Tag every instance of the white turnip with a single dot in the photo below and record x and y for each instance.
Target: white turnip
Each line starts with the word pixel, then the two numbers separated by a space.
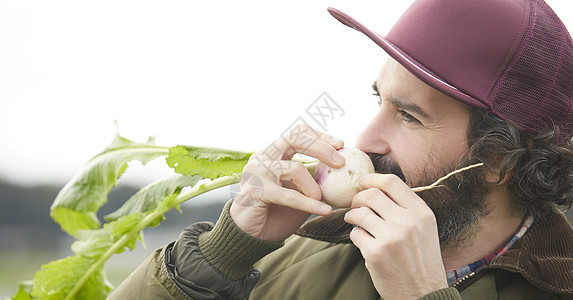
pixel 339 186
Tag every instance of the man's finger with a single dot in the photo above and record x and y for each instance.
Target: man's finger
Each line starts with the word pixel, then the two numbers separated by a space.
pixel 303 180
pixel 367 219
pixel 378 201
pixel 295 200
pixel 394 188
pixel 305 140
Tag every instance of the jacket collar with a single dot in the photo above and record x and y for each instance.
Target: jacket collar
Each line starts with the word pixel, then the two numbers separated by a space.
pixel 329 229
pixel 544 255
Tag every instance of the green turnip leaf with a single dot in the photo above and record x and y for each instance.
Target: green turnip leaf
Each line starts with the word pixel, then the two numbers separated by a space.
pixel 94 243
pixel 76 205
pixel 57 278
pixel 149 197
pixel 24 291
pixel 207 162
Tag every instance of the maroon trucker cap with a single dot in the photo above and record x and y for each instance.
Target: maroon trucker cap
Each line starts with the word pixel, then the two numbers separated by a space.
pixel 512 57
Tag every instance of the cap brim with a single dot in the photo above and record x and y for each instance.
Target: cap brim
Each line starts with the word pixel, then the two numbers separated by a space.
pixel 408 62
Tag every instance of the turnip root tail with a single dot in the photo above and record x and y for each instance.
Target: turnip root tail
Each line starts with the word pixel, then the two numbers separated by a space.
pixel 435 184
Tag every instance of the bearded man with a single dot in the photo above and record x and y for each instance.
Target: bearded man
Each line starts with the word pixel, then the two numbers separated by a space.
pixel 468 81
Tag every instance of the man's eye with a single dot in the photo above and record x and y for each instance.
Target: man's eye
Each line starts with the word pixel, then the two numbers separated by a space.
pixel 408 118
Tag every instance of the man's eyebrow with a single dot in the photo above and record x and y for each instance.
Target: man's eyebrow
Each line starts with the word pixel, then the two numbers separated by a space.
pixel 409 107
pixel 406 106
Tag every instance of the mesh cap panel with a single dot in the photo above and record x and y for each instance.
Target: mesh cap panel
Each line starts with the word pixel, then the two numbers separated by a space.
pixel 535 91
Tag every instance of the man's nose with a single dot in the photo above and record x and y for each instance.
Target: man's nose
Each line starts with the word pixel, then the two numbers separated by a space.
pixel 372 138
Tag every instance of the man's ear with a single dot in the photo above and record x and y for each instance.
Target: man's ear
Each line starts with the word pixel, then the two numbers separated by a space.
pixel 496 179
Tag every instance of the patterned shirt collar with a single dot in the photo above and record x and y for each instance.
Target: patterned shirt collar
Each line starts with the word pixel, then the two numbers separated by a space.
pixel 454 275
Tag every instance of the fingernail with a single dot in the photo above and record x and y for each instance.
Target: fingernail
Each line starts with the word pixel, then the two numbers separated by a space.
pixel 337 157
pixel 325 209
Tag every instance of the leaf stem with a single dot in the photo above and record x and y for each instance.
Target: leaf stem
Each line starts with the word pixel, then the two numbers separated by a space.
pixel 203 188
pixel 120 244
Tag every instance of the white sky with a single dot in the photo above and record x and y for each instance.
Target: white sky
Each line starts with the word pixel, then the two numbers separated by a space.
pixel 232 74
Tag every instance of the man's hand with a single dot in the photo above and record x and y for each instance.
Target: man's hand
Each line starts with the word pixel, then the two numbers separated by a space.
pixel 276 194
pixel 398 238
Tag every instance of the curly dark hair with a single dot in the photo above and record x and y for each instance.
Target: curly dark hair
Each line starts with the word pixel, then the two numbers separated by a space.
pixel 540 167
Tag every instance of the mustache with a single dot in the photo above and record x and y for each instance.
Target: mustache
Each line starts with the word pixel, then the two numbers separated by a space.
pixel 384 165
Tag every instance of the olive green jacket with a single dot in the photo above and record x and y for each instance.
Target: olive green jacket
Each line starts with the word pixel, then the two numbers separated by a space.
pixel 320 262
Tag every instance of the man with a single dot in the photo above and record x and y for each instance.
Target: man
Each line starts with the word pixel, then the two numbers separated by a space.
pixel 469 81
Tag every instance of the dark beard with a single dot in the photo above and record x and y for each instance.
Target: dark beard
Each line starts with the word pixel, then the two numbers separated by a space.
pixel 458 205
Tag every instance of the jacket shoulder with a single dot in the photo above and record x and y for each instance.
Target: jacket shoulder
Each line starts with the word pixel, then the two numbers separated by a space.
pixel 151 280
